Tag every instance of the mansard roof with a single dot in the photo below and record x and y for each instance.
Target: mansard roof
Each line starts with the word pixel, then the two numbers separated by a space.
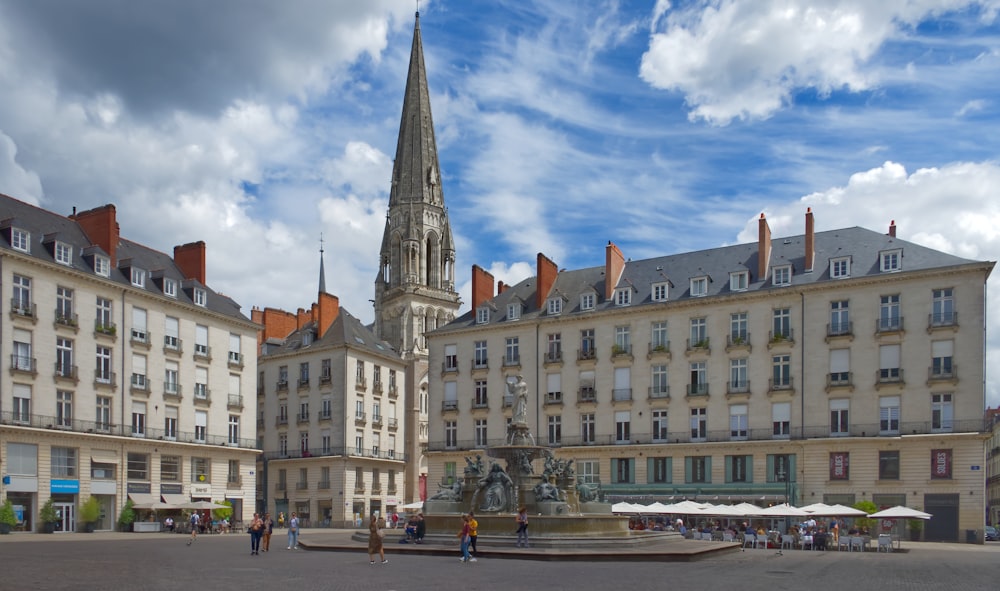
pixel 345 331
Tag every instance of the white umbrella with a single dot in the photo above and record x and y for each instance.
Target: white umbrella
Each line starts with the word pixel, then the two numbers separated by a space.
pixel 686 508
pixel 417 505
pixel 845 511
pixel 624 507
pixel 658 507
pixel 818 509
pixel 782 510
pixel 726 511
pixel 900 512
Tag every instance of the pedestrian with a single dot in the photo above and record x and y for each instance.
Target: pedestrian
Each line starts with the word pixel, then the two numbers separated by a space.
pixel 195 518
pixel 473 532
pixel 466 539
pixel 375 541
pixel 256 532
pixel 293 532
pixel 421 528
pixel 395 519
pixel 522 526
pixel 268 530
pixel 281 519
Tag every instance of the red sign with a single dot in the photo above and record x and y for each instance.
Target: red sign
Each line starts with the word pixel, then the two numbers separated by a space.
pixel 840 466
pixel 940 463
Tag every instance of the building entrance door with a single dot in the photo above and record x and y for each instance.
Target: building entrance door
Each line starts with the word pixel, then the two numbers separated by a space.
pixel 67 517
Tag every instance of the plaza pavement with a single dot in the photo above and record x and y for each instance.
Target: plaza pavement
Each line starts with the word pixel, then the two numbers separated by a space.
pixel 120 561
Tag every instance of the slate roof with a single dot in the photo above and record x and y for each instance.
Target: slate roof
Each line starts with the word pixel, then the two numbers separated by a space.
pixel 861 245
pixel 346 330
pixel 45 226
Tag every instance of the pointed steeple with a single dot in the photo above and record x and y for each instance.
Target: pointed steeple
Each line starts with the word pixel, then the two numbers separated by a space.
pixel 322 273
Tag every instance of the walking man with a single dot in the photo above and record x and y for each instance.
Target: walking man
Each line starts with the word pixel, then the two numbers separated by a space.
pixel 195 520
pixel 293 532
pixel 268 530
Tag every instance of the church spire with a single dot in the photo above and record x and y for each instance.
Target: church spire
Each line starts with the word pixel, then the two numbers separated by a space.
pixel 322 273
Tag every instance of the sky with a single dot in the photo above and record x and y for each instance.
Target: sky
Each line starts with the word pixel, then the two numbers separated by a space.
pixel 662 126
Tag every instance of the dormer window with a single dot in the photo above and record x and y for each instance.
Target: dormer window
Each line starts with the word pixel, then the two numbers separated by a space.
pixel 483 315
pixel 623 296
pixel 514 311
pixel 891 261
pixel 102 265
pixel 739 281
pixel 840 267
pixel 169 287
pixel 587 301
pixel 138 277
pixel 20 240
pixel 63 253
pixel 782 275
pixel 699 286
pixel 555 306
pixel 199 297
pixel 660 292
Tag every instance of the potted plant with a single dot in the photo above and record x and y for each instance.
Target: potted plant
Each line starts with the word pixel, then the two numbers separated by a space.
pixel 866 522
pixel 916 526
pixel 8 519
pixel 90 513
pixel 126 517
pixel 48 516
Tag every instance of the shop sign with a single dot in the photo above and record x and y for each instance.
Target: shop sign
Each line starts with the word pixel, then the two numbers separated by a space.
pixel 201 491
pixel 64 487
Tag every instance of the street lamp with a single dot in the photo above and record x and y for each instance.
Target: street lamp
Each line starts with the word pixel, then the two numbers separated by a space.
pixel 783 476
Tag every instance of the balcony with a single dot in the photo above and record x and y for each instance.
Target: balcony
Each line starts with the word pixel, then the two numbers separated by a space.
pixel 281 486
pixel 325 378
pixel 738 387
pixel 66 373
pixel 172 346
pixel 235 360
pixel 450 365
pixel 281 386
pixel 202 393
pixel 301 486
pixel 942 321
pixel 659 392
pixel 20 364
pixel 360 383
pixel 172 390
pixel 701 346
pixel 843 379
pixel 621 351
pixel 377 388
pixel 69 321
pixel 889 377
pixel 586 394
pixel 480 364
pixel 889 325
pixel 376 420
pixel 360 418
pixel 105 330
pixel 780 339
pixel 782 385
pixel 553 357
pixel 202 352
pixel 840 330
pixel 738 342
pixel 393 424
pixel 481 403
pixel 138 384
pixel 302 384
pixel 325 414
pixel 586 354
pixel 659 350
pixel 512 361
pixel 449 406
pixel 23 310
pixel 393 391
pixel 621 395
pixel 105 379
pixel 942 374
pixel 235 402
pixel 553 398
pixel 697 389
pixel 280 420
pixel 234 481
pixel 140 338
pixel 323 485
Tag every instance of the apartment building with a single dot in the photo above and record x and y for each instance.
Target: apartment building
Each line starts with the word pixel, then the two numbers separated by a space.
pixel 330 417
pixel 833 366
pixel 125 373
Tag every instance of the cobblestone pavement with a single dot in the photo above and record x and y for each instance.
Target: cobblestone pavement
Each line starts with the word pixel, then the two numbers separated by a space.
pixel 109 561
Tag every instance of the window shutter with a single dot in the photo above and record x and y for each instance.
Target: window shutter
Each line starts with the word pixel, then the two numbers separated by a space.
pixel 840 360
pixel 687 470
pixel 708 470
pixel 942 348
pixel 729 469
pixel 888 356
pixel 614 469
pixel 749 469
pixel 771 477
pixel 649 470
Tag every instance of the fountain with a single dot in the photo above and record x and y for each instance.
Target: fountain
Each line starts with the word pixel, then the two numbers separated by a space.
pixel 557 506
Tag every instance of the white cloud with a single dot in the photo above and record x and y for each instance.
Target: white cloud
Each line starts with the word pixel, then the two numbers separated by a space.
pixel 745 60
pixel 14 179
pixel 973 106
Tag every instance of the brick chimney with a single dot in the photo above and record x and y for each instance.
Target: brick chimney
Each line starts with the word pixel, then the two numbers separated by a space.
pixel 892 228
pixel 190 259
pixel 101 227
pixel 763 247
pixel 810 240
pixel 277 324
pixel 327 311
pixel 547 272
pixel 501 287
pixel 614 264
pixel 482 286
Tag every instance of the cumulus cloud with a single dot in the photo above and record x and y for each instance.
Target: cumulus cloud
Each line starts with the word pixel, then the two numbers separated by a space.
pixel 746 60
pixel 17 181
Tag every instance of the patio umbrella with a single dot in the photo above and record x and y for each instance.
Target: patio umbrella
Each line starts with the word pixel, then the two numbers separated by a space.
pixel 624 507
pixel 413 506
pixel 658 508
pixel 899 512
pixel 782 510
pixel 818 509
pixel 845 511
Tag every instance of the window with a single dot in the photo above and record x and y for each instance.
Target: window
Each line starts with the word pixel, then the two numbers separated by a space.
pixel 942 412
pixel 139 333
pixel 480 431
pixel 699 383
pixel 21 302
pixel 554 352
pixel 138 419
pixel 235 357
pixel 170 468
pixel 479 356
pixel 200 426
pixel 201 348
pixel 22 403
pixel 482 315
pixel 623 296
pixel 587 343
pixel 781 275
pixel 553 391
pixel 738 422
pixel 201 383
pixel 326 371
pixel 781 326
pixel 659 387
pixel 555 429
pixel 137 466
pixel 169 287
pixel 326 443
pixel 138 277
pixel 376 411
pixel 588 433
pixel 359 408
pixel 514 311
pixel 623 423
pixel 233 473
pixel 941 356
pixel 699 424
pixel 103 413
pixel 699 332
pixel 199 297
pixel 840 423
pixel 201 470
pixel 450 396
pixel 283 445
pixel 738 381
pixel 359 372
pixel 587 301
pixel 888 465
pixel 888 415
pixel 451 358
pixel 555 306
pixel 512 351
pixel 739 468
pixel 658 470
pixel 623 470
pixel 171 333
pixel 699 286
pixel 840 318
pixel 63 253
pixel 889 370
pixel 943 307
pixel 64 306
pixel 104 322
pixel 481 400
pixel 840 267
pixel 64 408
pixel 889 318
pixel 781 468
pixel 64 358
pixel 781 374
pixel 891 260
pixel 304 373
pixel 588 471
pixel 941 464
pixel 658 340
pixel 171 379
pixel 450 434
pixel 234 430
pixel 170 423
pixel 660 292
pixel 623 340
pixel 739 281
pixel 781 420
pixel 698 469
pixel 738 322
pixel 103 373
pixel 21 357
pixel 304 442
pixel 22 459
pixel 63 462
pixel 20 240
pixel 660 425
pixel 840 465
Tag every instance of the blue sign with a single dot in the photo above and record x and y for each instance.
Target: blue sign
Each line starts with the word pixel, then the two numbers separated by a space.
pixel 974 468
pixel 6 479
pixel 67 487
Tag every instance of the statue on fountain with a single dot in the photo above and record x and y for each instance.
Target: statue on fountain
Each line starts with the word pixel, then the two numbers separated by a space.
pixel 587 493
pixel 474 468
pixel 452 493
pixel 518 389
pixel 547 491
pixel 497 489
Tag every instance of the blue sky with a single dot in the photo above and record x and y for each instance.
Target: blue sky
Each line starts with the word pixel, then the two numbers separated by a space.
pixel 662 126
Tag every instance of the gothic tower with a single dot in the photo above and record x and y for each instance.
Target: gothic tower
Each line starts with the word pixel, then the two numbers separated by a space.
pixel 415 288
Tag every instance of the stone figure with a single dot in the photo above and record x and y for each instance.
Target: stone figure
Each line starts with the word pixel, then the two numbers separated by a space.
pixel 518 389
pixel 452 493
pixel 586 493
pixel 524 463
pixel 546 491
pixel 474 468
pixel 496 488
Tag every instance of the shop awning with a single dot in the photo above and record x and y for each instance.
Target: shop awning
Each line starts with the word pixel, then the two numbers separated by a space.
pixel 103 456
pixel 175 499
pixel 142 500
